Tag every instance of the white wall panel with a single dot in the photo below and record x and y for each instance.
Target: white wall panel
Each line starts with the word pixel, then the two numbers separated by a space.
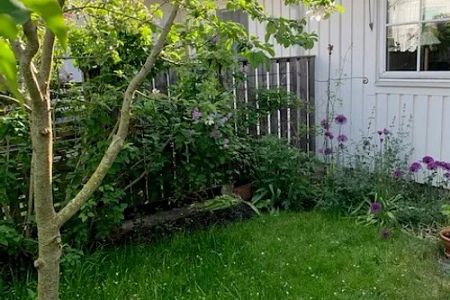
pixel 424 111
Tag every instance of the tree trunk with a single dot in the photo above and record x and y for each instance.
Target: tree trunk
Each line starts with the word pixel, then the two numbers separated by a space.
pixel 49 238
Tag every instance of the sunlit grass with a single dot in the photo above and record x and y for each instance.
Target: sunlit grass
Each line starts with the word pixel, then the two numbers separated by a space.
pixel 290 256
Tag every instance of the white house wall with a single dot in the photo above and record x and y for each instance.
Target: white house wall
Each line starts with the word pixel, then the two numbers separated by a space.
pixel 372 106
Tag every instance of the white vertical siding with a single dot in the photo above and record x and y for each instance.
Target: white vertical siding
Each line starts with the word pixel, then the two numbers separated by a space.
pixel 424 111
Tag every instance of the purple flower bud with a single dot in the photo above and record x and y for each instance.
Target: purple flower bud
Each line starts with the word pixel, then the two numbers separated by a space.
pixel 375 208
pixel 329 135
pixel 196 114
pixel 385 233
pixel 386 132
pixel 415 167
pixel 397 174
pixel 328 151
pixel 340 119
pixel 427 159
pixel 380 132
pixel 325 124
pixel 447 175
pixel 342 138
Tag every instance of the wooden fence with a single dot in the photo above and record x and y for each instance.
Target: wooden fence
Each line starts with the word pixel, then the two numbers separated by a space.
pixel 292 74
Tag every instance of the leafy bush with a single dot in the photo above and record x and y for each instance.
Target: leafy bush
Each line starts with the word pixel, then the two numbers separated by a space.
pixel 283 176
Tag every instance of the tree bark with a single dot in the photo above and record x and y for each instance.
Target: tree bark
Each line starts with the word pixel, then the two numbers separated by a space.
pixel 49 241
pixel 48 221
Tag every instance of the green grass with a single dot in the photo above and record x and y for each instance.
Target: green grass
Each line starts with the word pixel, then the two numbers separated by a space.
pixel 290 256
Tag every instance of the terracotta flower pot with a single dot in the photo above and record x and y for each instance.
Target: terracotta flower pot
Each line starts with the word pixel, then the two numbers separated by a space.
pixel 445 236
pixel 244 191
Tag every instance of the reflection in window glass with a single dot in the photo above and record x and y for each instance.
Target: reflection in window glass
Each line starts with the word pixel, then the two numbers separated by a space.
pixel 436 9
pixel 402 45
pixel 403 11
pixel 435 47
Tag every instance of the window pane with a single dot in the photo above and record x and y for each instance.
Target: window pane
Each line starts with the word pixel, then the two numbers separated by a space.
pixel 403 11
pixel 435 43
pixel 402 44
pixel 436 9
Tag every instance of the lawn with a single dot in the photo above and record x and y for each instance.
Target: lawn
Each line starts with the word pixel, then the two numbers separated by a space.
pixel 289 256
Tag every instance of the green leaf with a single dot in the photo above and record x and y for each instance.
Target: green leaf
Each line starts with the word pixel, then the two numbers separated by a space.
pixel 15 10
pixel 51 12
pixel 8 28
pixel 8 66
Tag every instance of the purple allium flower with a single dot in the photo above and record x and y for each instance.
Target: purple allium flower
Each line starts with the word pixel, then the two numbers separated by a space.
pixel 386 132
pixel 329 134
pixel 196 114
pixel 446 166
pixel 380 132
pixel 325 124
pixel 328 151
pixel 415 167
pixel 427 159
pixel 439 164
pixel 226 143
pixel 432 166
pixel 381 140
pixel 375 208
pixel 385 233
pixel 447 175
pixel 397 174
pixel 340 119
pixel 342 138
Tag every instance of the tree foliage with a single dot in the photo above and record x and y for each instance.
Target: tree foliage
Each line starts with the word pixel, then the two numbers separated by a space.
pixel 119 60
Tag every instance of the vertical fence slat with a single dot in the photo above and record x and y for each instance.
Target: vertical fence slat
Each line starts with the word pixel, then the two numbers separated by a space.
pixel 303 120
pixel 251 95
pixel 311 104
pixel 283 86
pixel 240 93
pixel 293 67
pixel 262 84
pixel 273 81
pixel 161 82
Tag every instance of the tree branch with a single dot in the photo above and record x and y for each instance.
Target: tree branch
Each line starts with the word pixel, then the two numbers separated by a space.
pixel 11 99
pixel 48 49
pixel 26 62
pixel 46 65
pixel 119 138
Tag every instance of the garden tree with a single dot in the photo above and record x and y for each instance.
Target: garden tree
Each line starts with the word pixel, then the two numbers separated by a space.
pixel 29 31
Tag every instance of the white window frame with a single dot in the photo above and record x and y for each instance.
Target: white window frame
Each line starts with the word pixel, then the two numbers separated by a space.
pixel 438 78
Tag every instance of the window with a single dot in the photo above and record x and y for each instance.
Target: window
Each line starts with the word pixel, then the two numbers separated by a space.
pixel 417 36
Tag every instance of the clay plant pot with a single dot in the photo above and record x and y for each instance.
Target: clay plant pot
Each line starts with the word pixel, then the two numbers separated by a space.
pixel 445 236
pixel 244 191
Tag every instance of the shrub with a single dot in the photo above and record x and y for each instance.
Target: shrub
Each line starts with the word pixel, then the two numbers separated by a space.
pixel 283 176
